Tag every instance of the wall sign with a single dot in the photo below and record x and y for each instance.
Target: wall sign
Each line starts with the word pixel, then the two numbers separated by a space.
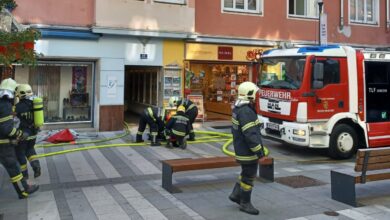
pixel 143 56
pixel 225 53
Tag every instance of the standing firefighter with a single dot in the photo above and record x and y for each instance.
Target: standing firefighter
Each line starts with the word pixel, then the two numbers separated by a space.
pixel 191 111
pixel 9 135
pixel 248 146
pixel 177 128
pixel 25 113
pixel 155 118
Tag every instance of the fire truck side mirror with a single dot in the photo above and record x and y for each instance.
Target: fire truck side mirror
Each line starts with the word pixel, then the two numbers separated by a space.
pixel 318 76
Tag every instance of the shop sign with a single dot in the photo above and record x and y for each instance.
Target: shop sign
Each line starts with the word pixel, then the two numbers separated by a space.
pixel 254 55
pixel 198 101
pixel 225 53
pixel 143 56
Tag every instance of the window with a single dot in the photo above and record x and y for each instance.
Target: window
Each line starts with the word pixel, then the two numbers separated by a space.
pixel 331 71
pixel 246 6
pixel 303 8
pixel 182 2
pixel 364 11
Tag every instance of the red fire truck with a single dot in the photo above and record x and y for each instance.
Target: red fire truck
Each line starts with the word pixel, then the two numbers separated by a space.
pixel 332 97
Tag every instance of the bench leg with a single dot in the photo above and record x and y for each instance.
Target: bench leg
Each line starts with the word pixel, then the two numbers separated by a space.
pixel 167 177
pixel 267 171
pixel 343 188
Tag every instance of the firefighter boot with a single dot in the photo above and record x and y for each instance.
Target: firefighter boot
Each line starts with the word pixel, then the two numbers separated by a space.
pixel 138 138
pixel 182 143
pixel 191 136
pixel 235 195
pixel 245 203
pixel 29 189
pixel 36 168
pixel 155 142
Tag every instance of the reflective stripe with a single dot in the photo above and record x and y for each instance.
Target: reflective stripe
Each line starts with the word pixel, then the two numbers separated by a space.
pixel 190 107
pixel 12 132
pixel 250 124
pixel 257 148
pixel 178 133
pixel 154 133
pixel 247 158
pixel 23 167
pixel 16 178
pixel 140 132
pixel 150 111
pixel 32 158
pixel 234 121
pixel 245 186
pixel 4 141
pixel 24 194
pixel 192 131
pixel 4 119
pixel 31 137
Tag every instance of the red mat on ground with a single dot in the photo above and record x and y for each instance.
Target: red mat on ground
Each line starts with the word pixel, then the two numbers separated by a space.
pixel 61 136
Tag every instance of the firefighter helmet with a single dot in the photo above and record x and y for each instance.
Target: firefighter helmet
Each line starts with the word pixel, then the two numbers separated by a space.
pixel 173 101
pixel 7 88
pixel 247 91
pixel 24 91
pixel 181 109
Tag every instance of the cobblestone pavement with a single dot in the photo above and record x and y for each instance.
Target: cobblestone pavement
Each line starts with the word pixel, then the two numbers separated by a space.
pixel 125 183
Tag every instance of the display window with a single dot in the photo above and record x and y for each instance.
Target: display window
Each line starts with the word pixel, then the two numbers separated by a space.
pixel 217 83
pixel 66 89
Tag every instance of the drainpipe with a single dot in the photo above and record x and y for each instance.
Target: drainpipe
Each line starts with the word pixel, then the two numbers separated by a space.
pixel 387 16
pixel 342 15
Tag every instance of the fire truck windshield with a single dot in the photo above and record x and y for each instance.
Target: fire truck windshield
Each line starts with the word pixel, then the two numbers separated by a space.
pixel 281 72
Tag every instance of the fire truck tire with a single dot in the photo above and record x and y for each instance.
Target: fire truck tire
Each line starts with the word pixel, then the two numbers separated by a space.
pixel 343 142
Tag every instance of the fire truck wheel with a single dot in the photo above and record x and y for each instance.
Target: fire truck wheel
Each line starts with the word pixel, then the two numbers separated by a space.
pixel 343 142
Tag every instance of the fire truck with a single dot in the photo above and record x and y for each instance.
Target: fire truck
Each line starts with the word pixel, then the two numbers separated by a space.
pixel 332 97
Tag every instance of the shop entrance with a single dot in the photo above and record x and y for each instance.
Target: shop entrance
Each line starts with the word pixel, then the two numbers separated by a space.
pixel 218 83
pixel 141 90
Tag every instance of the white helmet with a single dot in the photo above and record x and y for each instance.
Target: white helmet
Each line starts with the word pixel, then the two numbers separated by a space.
pixel 247 91
pixel 7 87
pixel 24 91
pixel 173 101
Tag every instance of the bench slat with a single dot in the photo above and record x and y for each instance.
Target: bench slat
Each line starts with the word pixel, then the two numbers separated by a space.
pixel 374 177
pixel 374 151
pixel 375 159
pixel 376 166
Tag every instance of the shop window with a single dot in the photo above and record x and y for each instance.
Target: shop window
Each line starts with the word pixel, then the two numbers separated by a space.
pixel 246 6
pixel 303 8
pixel 217 83
pixel 66 89
pixel 172 82
pixel 364 11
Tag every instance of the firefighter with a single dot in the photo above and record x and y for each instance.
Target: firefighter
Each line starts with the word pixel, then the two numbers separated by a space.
pixel 248 145
pixel 25 148
pixel 155 118
pixel 191 111
pixel 10 135
pixel 177 128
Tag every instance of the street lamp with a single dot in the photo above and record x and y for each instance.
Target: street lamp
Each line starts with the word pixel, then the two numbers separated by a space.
pixel 320 4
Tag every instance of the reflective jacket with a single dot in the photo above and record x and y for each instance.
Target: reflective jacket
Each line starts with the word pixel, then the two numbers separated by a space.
pixel 7 129
pixel 157 115
pixel 24 111
pixel 179 124
pixel 188 104
pixel 246 133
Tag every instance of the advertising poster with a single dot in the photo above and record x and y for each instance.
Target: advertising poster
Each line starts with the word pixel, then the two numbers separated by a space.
pixel 198 101
pixel 79 79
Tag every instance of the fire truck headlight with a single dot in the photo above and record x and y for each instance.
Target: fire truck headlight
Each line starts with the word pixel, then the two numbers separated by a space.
pixel 299 132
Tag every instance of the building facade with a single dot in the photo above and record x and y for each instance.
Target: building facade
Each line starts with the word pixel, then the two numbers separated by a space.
pixel 113 57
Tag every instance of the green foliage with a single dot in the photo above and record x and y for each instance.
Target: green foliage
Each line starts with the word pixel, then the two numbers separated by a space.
pixel 13 47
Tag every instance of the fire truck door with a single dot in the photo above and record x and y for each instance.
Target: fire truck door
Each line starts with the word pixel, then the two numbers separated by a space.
pixel 331 94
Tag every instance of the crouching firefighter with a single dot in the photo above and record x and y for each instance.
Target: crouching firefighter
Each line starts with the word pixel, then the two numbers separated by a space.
pixel 177 129
pixel 26 111
pixel 191 111
pixel 155 118
pixel 10 135
pixel 248 145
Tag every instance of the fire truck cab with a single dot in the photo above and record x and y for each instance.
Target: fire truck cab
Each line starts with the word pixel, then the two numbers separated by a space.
pixel 332 97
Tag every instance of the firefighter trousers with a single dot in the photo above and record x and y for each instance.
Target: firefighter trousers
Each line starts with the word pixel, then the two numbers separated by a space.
pixel 192 114
pixel 25 151
pixel 143 121
pixel 248 175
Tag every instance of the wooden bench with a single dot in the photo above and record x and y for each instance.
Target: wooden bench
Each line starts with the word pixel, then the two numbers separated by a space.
pixel 371 165
pixel 266 168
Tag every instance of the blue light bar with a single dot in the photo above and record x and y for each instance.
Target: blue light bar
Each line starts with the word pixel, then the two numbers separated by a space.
pixel 316 48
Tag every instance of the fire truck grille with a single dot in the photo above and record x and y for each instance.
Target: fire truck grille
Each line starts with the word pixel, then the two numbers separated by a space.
pixel 273 132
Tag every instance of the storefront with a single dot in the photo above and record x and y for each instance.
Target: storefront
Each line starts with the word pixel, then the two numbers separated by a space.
pixel 215 71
